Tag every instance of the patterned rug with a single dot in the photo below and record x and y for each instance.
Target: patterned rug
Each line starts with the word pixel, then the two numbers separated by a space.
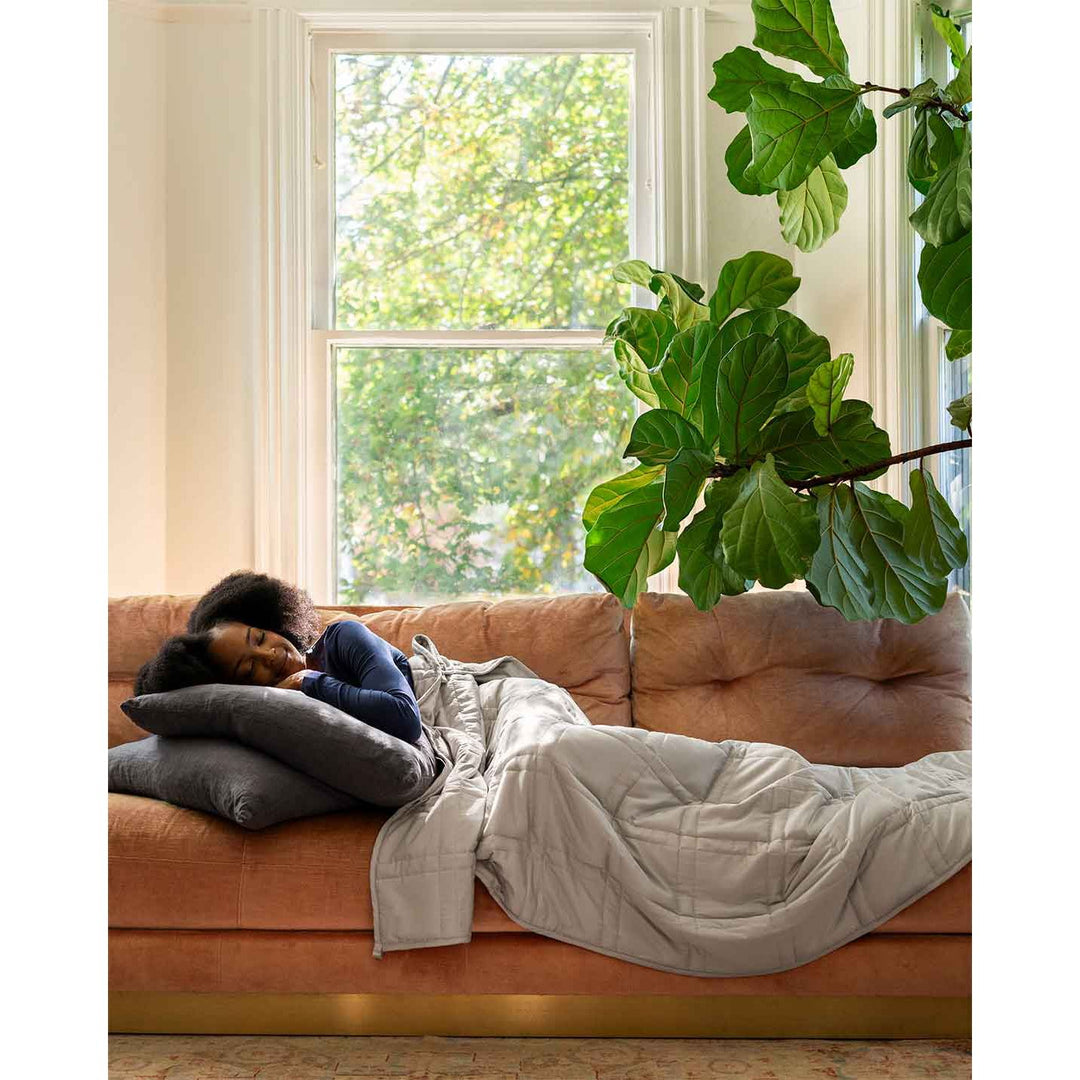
pixel 430 1057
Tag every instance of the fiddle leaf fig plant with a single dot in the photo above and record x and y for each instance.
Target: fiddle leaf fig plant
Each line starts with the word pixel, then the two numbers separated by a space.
pixel 746 402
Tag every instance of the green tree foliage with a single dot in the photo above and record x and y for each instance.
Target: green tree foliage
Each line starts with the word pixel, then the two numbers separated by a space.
pixel 749 404
pixel 476 192
pixel 481 191
pixel 459 475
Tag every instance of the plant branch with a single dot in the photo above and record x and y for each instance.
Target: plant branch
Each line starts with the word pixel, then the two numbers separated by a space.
pixel 934 102
pixel 723 469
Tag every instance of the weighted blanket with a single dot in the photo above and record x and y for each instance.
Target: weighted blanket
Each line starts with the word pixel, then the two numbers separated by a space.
pixel 695 857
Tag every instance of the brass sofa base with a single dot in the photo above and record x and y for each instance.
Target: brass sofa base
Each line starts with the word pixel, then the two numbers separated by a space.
pixel 548 1015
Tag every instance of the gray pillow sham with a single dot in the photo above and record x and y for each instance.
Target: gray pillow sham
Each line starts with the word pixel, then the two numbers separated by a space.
pixel 220 777
pixel 308 734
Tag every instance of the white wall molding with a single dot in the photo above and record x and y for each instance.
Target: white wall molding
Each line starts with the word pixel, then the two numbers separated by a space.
pixel 682 81
pixel 280 377
pixel 895 373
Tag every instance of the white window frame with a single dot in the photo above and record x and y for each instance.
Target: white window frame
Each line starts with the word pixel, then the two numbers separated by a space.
pixel 295 524
pixel 905 376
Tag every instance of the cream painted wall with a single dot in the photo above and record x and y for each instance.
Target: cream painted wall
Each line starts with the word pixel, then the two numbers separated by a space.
pixel 137 302
pixel 212 173
pixel 214 276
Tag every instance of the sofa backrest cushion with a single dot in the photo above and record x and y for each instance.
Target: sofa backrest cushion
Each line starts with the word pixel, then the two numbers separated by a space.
pixel 137 627
pixel 576 640
pixel 777 667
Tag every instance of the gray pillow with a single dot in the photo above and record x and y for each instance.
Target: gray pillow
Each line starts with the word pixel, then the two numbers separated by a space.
pixel 220 777
pixel 308 734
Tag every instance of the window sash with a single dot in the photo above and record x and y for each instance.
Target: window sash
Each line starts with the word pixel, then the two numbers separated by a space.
pixel 324 338
pixel 485 39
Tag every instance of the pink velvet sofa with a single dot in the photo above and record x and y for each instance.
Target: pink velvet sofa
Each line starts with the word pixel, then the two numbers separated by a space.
pixel 216 929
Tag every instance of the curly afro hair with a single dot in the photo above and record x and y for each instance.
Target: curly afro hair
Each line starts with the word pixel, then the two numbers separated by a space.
pixel 183 660
pixel 243 596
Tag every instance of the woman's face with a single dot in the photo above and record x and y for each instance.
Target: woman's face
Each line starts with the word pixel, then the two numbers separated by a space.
pixel 248 654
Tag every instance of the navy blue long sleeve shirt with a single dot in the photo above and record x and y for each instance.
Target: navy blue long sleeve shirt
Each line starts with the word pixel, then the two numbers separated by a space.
pixel 367 677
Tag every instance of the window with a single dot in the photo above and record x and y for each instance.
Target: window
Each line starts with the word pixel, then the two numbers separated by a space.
pixel 946 380
pixel 469 199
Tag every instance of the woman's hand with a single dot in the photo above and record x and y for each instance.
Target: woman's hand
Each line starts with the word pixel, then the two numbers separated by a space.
pixel 293 681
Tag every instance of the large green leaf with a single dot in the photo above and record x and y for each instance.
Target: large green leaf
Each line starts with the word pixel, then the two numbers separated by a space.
pixel 921 170
pixel 945 213
pixel 704 574
pixel 641 338
pixel 810 213
pixel 792 402
pixel 686 472
pixel 633 272
pixel 633 371
pixel 677 381
pixel 802 30
pixel 770 533
pixel 825 391
pixel 805 349
pixel 895 507
pixel 691 288
pixel 685 312
pixel 737 159
pixel 958 345
pixel 737 73
pixel 750 381
pixel 645 331
pixel 945 282
pixel 959 90
pixel 659 552
pixel 861 135
pixel 960 412
pixel 757 280
pixel 617 546
pixel 635 374
pixel 919 95
pixel 610 492
pixel 793 127
pixel 839 576
pixel 860 567
pixel 934 144
pixel 853 440
pixel 949 32
pixel 639 272
pixel 932 536
pixel 659 434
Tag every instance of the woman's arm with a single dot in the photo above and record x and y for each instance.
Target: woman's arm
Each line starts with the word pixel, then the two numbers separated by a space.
pixel 381 697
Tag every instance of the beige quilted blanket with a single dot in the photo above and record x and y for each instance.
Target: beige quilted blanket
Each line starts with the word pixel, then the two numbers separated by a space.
pixel 701 858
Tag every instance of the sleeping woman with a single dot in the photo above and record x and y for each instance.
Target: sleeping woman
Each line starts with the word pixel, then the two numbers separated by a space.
pixel 258 630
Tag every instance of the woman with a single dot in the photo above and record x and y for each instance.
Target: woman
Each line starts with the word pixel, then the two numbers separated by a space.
pixel 255 629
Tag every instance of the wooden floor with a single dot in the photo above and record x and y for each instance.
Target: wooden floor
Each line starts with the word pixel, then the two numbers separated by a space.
pixel 432 1057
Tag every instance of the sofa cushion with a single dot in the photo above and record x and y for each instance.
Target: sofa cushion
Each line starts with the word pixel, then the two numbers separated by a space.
pixel 314 874
pixel 577 640
pixel 777 667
